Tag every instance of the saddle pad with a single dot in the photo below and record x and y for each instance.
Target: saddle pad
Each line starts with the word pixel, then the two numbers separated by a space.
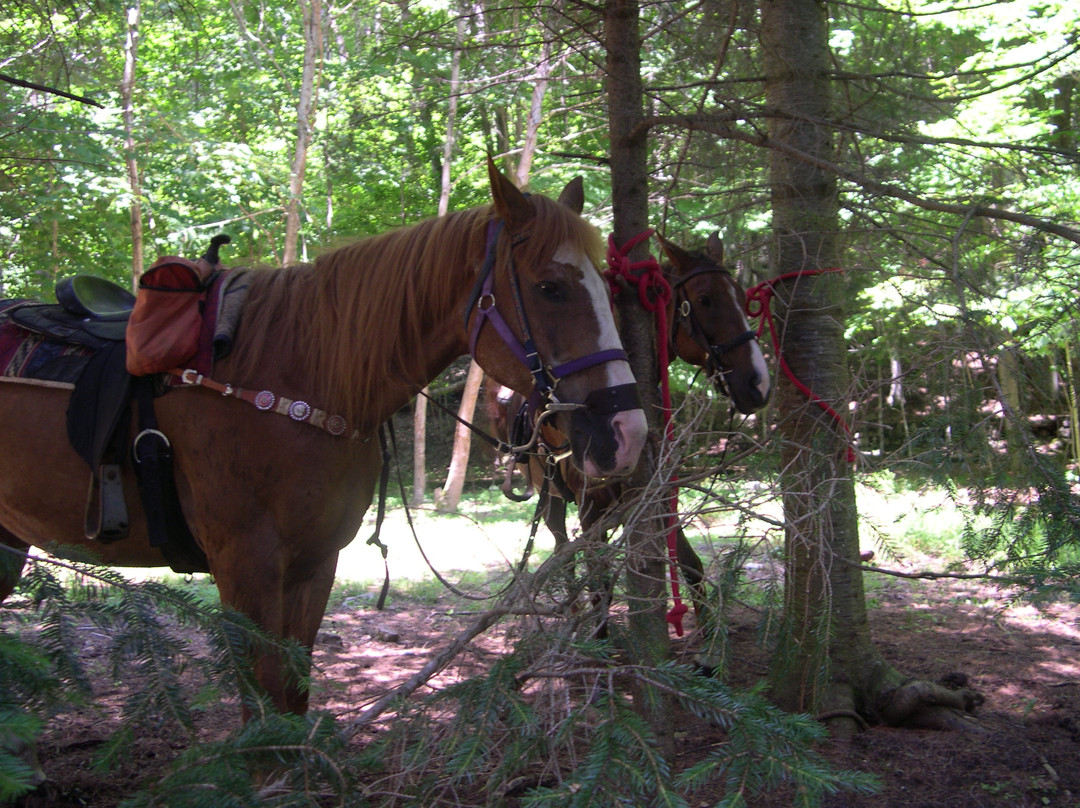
pixel 24 355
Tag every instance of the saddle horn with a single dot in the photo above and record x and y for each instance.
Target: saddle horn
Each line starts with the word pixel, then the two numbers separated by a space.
pixel 216 243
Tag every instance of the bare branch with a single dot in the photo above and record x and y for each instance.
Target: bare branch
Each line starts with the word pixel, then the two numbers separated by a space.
pixel 41 88
pixel 720 126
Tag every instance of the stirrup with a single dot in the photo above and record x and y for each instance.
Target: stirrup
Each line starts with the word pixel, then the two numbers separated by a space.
pixel 106 517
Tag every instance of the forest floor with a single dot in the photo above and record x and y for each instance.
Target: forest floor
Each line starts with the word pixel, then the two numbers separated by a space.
pixel 1024 752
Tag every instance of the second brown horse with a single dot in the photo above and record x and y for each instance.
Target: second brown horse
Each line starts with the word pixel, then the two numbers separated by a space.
pixel 708 329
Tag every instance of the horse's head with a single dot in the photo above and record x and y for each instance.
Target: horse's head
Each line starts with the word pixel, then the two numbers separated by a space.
pixel 540 322
pixel 709 328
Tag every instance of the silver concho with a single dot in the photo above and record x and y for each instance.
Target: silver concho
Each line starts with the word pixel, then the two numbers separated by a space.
pixel 264 400
pixel 335 425
pixel 299 410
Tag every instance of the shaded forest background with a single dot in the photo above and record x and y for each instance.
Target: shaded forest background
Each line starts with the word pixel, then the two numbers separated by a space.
pixel 949 174
pixel 295 126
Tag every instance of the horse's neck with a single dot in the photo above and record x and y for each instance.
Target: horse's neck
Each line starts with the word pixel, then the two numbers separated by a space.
pixel 259 360
pixel 439 354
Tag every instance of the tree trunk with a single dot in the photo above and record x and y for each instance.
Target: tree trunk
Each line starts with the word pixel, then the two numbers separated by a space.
pixel 127 99
pixel 305 122
pixel 825 660
pixel 448 497
pixel 419 449
pixel 540 79
pixel 645 540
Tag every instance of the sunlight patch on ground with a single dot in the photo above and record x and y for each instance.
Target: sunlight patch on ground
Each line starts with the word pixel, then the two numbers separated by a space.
pixel 451 542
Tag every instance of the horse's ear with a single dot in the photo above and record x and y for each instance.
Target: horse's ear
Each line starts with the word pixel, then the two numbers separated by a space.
pixel 714 248
pixel 510 204
pixel 573 195
pixel 681 260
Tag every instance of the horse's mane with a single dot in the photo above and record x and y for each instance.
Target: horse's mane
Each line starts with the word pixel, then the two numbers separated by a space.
pixel 337 330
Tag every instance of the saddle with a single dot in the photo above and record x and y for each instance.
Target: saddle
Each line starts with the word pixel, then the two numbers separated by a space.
pixel 94 313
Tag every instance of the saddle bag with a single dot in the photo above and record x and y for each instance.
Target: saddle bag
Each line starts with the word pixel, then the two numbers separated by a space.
pixel 163 331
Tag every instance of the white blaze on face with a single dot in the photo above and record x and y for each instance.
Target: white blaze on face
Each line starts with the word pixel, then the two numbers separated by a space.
pixel 594 283
pixel 630 426
pixel 757 357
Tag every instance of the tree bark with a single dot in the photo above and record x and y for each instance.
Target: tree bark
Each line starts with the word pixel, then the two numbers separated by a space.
pixel 825 659
pixel 448 497
pixel 305 124
pixel 645 539
pixel 127 99
pixel 541 78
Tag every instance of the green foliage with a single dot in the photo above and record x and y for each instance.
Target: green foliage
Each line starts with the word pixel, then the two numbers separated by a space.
pixel 144 645
pixel 1031 535
pixel 300 757
pixel 549 725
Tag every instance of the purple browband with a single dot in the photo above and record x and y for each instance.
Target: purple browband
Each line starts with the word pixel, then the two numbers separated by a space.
pixel 598 358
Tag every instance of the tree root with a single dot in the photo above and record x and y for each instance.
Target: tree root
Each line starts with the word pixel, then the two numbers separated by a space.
pixel 918 704
pixel 851 714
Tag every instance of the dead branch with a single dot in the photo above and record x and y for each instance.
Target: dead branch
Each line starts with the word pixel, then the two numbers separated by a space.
pixel 41 88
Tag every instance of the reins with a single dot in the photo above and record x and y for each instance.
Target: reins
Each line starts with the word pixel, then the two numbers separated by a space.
pixel 501 446
pixel 386 433
pixel 758 299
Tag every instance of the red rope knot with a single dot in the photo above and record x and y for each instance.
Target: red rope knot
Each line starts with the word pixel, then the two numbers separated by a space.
pixel 758 300
pixel 675 616
pixel 654 291
pixel 758 304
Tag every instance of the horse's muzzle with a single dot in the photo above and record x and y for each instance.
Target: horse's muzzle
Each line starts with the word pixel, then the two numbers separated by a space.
pixel 750 394
pixel 608 433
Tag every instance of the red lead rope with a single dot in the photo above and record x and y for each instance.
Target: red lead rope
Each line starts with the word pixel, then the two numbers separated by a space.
pixel 758 299
pixel 654 294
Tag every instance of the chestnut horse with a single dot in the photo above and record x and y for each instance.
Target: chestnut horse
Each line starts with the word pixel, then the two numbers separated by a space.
pixel 709 329
pixel 271 501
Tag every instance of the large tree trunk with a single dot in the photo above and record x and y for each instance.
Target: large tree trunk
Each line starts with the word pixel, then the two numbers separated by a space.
pixel 826 660
pixel 127 99
pixel 645 540
pixel 305 122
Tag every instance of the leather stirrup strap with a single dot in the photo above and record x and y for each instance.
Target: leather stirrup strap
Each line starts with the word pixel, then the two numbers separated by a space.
pixel 106 518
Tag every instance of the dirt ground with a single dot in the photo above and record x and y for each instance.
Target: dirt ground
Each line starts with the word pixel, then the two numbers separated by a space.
pixel 1025 662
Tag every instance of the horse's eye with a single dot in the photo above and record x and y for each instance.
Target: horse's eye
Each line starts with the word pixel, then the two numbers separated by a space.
pixel 704 301
pixel 550 290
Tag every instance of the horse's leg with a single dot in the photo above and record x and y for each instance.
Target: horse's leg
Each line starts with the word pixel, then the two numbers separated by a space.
pixel 601 583
pixel 12 560
pixel 305 604
pixel 553 508
pixel 286 603
pixel 257 593
pixel 693 572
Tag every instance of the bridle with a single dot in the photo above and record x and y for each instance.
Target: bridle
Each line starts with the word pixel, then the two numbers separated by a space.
pixel 542 402
pixel 687 319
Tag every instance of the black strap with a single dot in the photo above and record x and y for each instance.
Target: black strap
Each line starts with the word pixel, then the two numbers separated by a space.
pixel 610 400
pixel 380 514
pixel 502 447
pixel 165 522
